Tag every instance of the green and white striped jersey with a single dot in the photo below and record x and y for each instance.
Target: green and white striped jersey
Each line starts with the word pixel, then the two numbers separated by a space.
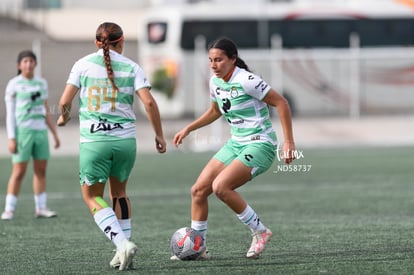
pixel 104 113
pixel 25 103
pixel 240 102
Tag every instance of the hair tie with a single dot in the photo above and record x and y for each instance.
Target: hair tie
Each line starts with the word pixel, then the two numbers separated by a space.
pixel 116 40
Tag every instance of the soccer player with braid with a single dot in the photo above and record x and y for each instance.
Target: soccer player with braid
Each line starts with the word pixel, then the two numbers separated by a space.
pixel 107 82
pixel 243 99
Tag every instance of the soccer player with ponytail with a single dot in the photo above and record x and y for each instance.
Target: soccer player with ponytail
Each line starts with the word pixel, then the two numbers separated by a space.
pixel 107 82
pixel 243 99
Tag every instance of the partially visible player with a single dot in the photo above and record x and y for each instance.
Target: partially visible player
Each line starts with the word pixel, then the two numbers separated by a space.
pixel 28 119
pixel 242 98
pixel 107 82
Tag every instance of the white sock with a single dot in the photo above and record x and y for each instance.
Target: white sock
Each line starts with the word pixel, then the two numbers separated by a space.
pixel 108 223
pixel 11 201
pixel 40 201
pixel 250 218
pixel 126 227
pixel 200 226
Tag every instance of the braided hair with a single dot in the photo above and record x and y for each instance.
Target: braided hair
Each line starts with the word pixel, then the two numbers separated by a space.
pixel 109 34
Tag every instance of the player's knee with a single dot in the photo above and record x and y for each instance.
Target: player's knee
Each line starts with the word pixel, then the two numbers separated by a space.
pixel 200 191
pixel 18 177
pixel 18 174
pixel 220 190
pixel 118 193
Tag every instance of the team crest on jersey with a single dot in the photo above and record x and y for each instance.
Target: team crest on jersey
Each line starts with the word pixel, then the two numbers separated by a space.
pixel 234 93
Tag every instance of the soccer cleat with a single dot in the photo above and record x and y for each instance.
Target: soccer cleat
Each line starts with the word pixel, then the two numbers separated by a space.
pixel 175 258
pixel 45 213
pixel 123 257
pixel 115 262
pixel 203 256
pixel 259 241
pixel 7 215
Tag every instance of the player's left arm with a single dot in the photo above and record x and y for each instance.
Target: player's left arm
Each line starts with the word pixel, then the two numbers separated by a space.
pixel 65 104
pixel 51 125
pixel 154 117
pixel 274 99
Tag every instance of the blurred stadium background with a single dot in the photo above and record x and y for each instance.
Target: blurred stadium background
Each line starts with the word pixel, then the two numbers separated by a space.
pixel 61 31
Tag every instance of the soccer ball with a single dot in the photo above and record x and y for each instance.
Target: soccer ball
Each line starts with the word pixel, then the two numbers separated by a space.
pixel 187 243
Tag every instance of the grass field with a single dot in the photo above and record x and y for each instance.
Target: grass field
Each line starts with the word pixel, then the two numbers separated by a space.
pixel 351 213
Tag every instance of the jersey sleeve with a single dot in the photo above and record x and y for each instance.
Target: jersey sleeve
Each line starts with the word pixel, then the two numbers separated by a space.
pixel 256 87
pixel 140 80
pixel 45 88
pixel 213 88
pixel 74 75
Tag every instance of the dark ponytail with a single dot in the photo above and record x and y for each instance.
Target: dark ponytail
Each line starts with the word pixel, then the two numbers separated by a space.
pixel 240 63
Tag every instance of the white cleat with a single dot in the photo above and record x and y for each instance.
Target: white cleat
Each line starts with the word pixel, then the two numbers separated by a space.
pixel 123 257
pixel 7 215
pixel 115 262
pixel 203 256
pixel 45 213
pixel 259 241
pixel 175 258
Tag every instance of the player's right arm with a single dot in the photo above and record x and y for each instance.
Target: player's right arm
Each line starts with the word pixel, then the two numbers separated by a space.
pixel 65 104
pixel 209 116
pixel 10 100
